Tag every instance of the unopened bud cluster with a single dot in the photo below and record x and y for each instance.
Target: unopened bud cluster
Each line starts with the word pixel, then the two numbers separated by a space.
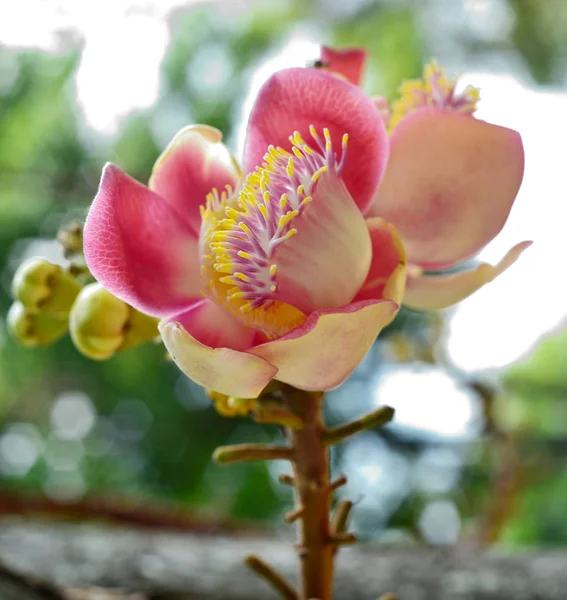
pixel 50 300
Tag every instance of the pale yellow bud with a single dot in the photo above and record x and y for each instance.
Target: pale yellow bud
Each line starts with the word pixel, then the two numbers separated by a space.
pixel 101 324
pixel 43 287
pixel 229 406
pixel 32 330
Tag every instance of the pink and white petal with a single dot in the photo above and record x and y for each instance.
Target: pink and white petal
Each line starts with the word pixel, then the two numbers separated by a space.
pixel 325 350
pixel 450 184
pixel 293 99
pixel 326 262
pixel 348 62
pixel 387 274
pixel 215 327
pixel 139 248
pixel 195 162
pixel 434 292
pixel 206 344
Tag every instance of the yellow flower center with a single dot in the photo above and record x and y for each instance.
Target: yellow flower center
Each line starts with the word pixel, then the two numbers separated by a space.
pixel 434 90
pixel 242 229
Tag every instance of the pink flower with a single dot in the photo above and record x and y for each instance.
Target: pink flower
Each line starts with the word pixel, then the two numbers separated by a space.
pixel 292 272
pixel 450 183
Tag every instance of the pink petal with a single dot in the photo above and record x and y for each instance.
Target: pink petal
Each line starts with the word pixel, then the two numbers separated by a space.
pixel 450 184
pixel 293 99
pixel 433 292
pixel 348 62
pixel 139 248
pixel 213 326
pixel 195 162
pixel 387 274
pixel 206 342
pixel 323 352
pixel 325 263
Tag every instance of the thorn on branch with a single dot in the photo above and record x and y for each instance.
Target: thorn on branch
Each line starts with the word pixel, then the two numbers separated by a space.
pixel 340 480
pixel 344 539
pixel 247 452
pixel 274 413
pixel 340 517
pixel 286 479
pixel 293 515
pixel 377 418
pixel 279 584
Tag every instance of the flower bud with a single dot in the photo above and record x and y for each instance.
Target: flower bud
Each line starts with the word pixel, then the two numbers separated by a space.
pixel 32 330
pixel 70 237
pixel 44 287
pixel 229 406
pixel 101 324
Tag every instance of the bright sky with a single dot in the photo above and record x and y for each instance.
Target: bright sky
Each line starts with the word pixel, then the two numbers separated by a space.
pixel 502 321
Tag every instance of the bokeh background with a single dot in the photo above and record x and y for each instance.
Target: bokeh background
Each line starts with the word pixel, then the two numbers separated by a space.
pixel 478 450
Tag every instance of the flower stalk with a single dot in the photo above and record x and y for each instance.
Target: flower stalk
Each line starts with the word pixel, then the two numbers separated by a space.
pixel 313 494
pixel 319 535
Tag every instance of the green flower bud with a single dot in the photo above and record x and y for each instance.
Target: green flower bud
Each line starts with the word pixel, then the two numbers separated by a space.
pixel 70 236
pixel 101 324
pixel 32 330
pixel 44 287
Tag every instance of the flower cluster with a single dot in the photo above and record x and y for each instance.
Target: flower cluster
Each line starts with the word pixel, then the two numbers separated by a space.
pixel 289 269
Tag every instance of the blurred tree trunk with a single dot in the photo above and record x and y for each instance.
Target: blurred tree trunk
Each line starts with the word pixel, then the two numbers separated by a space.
pixel 71 559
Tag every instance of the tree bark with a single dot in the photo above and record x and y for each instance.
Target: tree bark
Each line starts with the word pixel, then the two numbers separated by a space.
pixel 169 566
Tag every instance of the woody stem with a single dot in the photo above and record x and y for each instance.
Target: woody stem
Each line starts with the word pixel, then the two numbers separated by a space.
pixel 313 491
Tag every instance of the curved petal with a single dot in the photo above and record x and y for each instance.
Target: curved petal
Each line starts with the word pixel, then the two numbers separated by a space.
pixel 324 264
pixel 139 248
pixel 450 184
pixel 433 292
pixel 348 62
pixel 323 352
pixel 213 326
pixel 293 99
pixel 386 277
pixel 195 162
pixel 204 342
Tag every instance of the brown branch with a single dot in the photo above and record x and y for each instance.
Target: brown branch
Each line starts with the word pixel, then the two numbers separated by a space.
pixel 139 513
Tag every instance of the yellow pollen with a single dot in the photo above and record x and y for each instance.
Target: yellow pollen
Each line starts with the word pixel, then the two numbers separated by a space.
pixel 318 173
pixel 290 168
pixel 433 89
pixel 242 228
pixel 262 208
pixel 245 228
pixel 328 144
